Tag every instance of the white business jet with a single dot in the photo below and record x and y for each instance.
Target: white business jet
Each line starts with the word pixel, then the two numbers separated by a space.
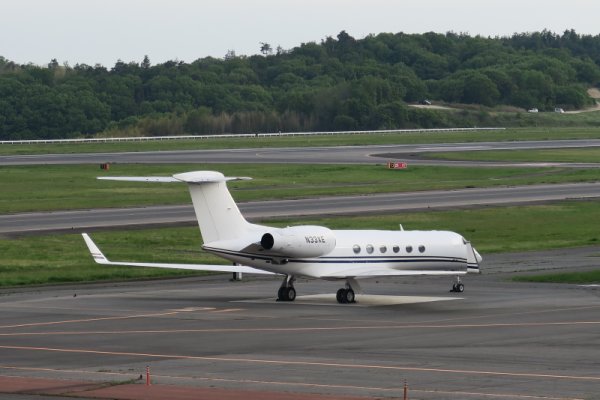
pixel 306 250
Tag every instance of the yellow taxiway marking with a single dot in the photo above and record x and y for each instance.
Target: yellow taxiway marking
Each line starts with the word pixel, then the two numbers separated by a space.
pixel 304 329
pixel 226 310
pixel 311 363
pixel 287 383
pixel 73 321
pixel 159 314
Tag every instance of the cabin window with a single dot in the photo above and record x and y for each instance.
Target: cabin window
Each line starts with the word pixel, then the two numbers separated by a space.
pixel 421 249
pixel 409 249
pixel 382 249
pixel 396 249
pixel 356 249
pixel 370 248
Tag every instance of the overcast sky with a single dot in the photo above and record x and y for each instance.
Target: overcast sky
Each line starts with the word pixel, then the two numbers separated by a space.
pixel 90 31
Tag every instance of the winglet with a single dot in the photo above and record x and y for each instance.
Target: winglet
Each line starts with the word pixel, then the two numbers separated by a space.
pixel 94 250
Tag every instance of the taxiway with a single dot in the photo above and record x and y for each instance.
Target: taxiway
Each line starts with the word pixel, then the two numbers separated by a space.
pixel 499 339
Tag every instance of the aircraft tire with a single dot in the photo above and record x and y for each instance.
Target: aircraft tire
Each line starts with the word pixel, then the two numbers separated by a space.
pixel 286 294
pixel 460 288
pixel 281 295
pixel 340 295
pixel 349 296
pixel 290 294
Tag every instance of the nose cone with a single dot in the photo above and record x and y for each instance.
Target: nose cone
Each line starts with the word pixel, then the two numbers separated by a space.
pixel 473 259
pixel 477 256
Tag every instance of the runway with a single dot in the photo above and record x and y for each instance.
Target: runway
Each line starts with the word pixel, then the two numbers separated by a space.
pixel 498 339
pixel 28 223
pixel 308 155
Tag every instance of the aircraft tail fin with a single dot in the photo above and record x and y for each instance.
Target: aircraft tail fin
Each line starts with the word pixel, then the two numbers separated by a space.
pixel 218 215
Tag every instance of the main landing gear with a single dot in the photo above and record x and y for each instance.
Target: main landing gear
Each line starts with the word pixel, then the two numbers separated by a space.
pixel 346 294
pixel 458 287
pixel 286 291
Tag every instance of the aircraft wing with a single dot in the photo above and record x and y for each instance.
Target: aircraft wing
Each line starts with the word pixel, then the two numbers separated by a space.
pixel 101 259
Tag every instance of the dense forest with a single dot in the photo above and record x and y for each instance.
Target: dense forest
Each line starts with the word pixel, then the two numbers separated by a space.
pixel 338 84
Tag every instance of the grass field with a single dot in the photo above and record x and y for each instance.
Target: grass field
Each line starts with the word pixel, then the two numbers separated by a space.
pixel 62 187
pixel 64 258
pixel 323 140
pixel 587 277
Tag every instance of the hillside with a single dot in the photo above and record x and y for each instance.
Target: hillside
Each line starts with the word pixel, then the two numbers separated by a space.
pixel 338 84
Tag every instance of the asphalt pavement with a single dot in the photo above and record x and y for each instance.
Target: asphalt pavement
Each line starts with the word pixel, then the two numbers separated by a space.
pixel 305 155
pixel 499 339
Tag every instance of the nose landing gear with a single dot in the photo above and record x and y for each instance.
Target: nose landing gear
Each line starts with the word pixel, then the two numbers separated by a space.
pixel 458 286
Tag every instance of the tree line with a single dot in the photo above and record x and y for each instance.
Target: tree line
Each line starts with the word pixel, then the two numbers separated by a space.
pixel 340 83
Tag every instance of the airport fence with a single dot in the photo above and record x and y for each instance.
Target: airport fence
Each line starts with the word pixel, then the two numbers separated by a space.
pixel 241 135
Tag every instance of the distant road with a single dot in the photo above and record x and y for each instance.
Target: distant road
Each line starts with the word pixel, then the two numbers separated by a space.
pixel 381 203
pixel 305 155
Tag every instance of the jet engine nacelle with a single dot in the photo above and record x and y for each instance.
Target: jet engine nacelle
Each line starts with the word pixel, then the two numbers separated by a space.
pixel 299 241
